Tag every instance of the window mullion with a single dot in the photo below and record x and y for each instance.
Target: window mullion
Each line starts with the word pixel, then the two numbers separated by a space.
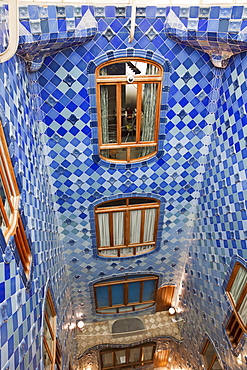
pixel 141 291
pixel 119 113
pixel 111 228
pixel 110 295
pixel 127 228
pixel 138 112
pixel 142 225
pixel 126 289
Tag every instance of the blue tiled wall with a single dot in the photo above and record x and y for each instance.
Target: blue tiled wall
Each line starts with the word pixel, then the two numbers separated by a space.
pixel 200 177
pixel 21 309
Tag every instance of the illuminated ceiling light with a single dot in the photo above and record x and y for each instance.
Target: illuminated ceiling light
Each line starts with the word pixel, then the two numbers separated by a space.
pixel 80 324
pixel 172 311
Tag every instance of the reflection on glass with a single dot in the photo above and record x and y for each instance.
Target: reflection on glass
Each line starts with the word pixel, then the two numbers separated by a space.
pixel 46 360
pixel 133 68
pixel 108 113
pixel 2 222
pixel 126 251
pixel 109 252
pixel 4 199
pixel 135 354
pixel 208 356
pixel 107 359
pixel 147 353
pixel 48 337
pixel 120 357
pixel 129 98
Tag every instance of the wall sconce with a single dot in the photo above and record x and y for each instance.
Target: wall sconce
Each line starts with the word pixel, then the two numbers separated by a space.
pixel 80 324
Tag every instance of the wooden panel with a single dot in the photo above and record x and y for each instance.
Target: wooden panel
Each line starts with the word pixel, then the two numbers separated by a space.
pixel 164 297
pixel 161 358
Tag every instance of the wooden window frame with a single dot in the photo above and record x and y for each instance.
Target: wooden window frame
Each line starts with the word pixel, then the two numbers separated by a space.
pixel 214 357
pixel 118 81
pixel 54 353
pixel 127 208
pixel 125 281
pixel 127 354
pixel 235 327
pixel 14 225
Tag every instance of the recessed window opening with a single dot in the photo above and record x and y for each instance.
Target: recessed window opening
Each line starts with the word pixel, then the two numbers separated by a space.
pixel 125 294
pixel 210 358
pixel 10 220
pixel 51 350
pixel 237 293
pixel 126 227
pixel 127 358
pixel 128 101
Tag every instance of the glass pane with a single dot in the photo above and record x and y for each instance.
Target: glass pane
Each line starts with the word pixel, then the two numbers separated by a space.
pixel 104 232
pixel 142 306
pixel 135 355
pixel 48 337
pixel 129 97
pixel 239 283
pixel 208 356
pixel 131 67
pixel 141 152
pixel 243 311
pixel 147 353
pixel 4 199
pixel 51 317
pixel 141 201
pixel 117 153
pixel 120 357
pixel 118 228
pixel 109 252
pixel 216 365
pixel 108 113
pixel 148 291
pixel 126 251
pixel 102 296
pixel 117 294
pixel 135 226
pixel 107 310
pixel 149 97
pixel 144 249
pixel 134 292
pixel 149 225
pixel 113 203
pixel 107 359
pixel 2 222
pixel 46 359
pixel 125 309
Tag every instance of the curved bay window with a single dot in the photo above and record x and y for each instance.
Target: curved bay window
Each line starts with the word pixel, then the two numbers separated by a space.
pixel 127 358
pixel 127 226
pixel 237 292
pixel 125 294
pixel 128 101
pixel 10 219
pixel 211 360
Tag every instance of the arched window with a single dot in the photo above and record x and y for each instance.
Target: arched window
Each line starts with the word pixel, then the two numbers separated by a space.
pixel 237 292
pixel 127 226
pixel 210 358
pixel 128 101
pixel 125 294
